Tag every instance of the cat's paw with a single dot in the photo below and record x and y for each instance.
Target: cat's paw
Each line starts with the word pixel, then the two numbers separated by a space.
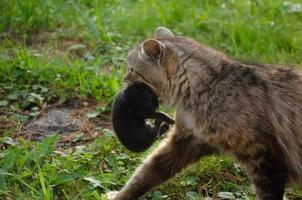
pixel 111 195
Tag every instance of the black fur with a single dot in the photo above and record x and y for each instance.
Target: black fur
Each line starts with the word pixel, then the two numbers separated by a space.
pixel 131 108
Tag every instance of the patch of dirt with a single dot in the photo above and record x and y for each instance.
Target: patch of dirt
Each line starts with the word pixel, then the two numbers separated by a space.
pixel 70 122
pixel 49 42
pixel 57 120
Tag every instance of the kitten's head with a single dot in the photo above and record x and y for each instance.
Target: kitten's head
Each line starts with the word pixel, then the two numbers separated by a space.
pixel 151 62
pixel 140 99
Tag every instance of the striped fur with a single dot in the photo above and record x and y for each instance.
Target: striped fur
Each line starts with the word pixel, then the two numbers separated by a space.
pixel 252 112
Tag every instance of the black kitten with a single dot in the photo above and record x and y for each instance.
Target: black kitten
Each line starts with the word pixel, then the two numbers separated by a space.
pixel 131 108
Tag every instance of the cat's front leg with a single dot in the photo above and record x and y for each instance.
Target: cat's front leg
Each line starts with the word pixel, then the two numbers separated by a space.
pixel 174 153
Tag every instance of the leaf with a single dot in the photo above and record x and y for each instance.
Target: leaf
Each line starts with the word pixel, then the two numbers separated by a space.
pixel 9 141
pixel 190 180
pixel 89 57
pixel 110 178
pixel 45 147
pixel 291 8
pixel 157 195
pixel 44 89
pixel 11 158
pixel 93 114
pixel 34 114
pixel 35 87
pixel 103 109
pixel 93 181
pixel 77 137
pixel 107 133
pixel 3 103
pixel 37 96
pixel 21 118
pixel 76 47
pixel 191 195
pixel 123 156
pixel 59 82
pixel 226 195
pixel 64 178
pixel 111 161
pixel 80 149
pixel 13 96
pixel 35 108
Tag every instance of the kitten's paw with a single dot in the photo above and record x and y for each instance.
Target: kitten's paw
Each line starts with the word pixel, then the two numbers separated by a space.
pixel 111 195
pixel 163 128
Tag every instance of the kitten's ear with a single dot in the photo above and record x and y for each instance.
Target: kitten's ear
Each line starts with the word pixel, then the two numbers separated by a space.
pixel 163 32
pixel 153 49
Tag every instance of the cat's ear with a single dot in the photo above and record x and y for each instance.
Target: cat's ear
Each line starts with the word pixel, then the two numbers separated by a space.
pixel 153 49
pixel 163 32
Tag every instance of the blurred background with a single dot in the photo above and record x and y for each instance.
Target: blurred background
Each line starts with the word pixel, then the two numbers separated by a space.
pixel 62 62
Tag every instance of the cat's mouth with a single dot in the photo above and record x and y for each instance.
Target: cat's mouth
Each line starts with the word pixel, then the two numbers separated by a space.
pixel 134 76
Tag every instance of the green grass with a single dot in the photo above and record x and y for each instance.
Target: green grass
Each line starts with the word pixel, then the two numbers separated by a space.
pixel 56 51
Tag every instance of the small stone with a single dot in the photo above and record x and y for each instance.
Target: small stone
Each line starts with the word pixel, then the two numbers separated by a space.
pixel 57 120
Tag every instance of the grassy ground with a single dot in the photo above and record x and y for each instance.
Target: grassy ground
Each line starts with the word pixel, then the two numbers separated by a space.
pixel 56 51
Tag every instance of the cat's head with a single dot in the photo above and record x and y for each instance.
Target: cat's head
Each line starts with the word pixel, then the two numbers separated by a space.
pixel 151 62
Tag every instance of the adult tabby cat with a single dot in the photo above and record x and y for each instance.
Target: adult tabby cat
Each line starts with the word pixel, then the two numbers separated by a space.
pixel 252 112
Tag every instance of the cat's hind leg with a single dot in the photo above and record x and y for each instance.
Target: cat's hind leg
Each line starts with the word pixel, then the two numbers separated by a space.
pixel 269 177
